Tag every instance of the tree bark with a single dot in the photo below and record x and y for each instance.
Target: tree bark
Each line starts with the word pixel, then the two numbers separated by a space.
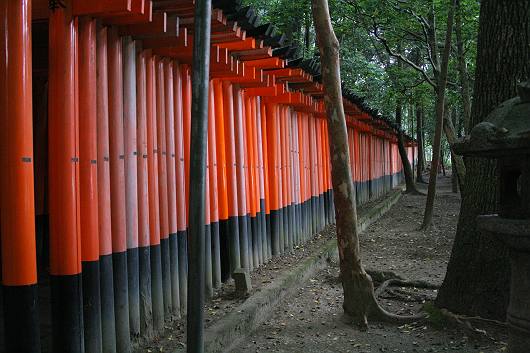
pixel 440 101
pixel 356 283
pixel 421 151
pixel 359 299
pixel 454 176
pixel 459 165
pixel 455 179
pixel 407 169
pixel 503 58
pixel 442 160
pixel 462 67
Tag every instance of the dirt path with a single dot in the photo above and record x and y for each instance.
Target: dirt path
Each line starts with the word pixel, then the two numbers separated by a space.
pixel 312 320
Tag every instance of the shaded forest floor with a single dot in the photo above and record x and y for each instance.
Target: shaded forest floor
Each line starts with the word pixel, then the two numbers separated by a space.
pixel 313 321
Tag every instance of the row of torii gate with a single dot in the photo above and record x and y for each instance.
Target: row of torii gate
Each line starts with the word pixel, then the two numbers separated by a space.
pixel 117 162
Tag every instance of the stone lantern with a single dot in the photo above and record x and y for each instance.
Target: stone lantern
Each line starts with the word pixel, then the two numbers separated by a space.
pixel 505 137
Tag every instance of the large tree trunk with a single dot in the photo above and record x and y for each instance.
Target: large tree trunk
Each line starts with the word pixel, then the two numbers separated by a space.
pixel 440 102
pixel 420 167
pixel 407 169
pixel 477 279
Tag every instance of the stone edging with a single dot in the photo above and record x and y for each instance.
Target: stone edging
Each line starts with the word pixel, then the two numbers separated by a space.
pixel 234 327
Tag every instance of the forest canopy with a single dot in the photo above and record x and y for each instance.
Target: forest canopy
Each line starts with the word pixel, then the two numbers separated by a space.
pixel 387 53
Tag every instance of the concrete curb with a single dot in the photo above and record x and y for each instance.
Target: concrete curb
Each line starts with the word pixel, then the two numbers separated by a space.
pixel 230 330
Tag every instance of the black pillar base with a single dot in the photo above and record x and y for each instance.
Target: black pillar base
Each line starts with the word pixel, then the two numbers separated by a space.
pixel 92 306
pixel 67 313
pixel 166 277
pixel 175 280
pixel 146 306
pixel 21 319
pixel 133 267
pixel 108 319
pixel 156 288
pixel 121 302
pixel 183 269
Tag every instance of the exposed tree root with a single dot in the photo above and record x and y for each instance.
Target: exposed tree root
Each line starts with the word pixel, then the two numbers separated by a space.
pixel 404 283
pixel 381 276
pixel 464 318
pixel 361 303
pixel 465 321
pixel 404 296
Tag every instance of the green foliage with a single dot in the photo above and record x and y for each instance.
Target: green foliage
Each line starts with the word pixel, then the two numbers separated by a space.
pixel 293 18
pixel 367 30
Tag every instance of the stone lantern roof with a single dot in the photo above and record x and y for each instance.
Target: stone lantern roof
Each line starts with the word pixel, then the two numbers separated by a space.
pixel 505 132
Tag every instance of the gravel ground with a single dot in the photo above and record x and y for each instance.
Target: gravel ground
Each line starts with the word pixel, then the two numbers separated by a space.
pixel 313 320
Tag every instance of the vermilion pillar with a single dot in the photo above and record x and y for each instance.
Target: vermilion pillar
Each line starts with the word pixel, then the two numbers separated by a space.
pixel 251 180
pixel 17 213
pixel 284 179
pixel 327 160
pixel 108 323
pixel 214 191
pixel 186 111
pixel 181 186
pixel 222 183
pixel 240 174
pixel 88 185
pixel 117 188
pixel 289 175
pixel 273 175
pixel 321 172
pixel 162 185
pixel 171 184
pixel 131 181
pixel 266 189
pixel 246 180
pixel 313 176
pixel 63 185
pixel 253 156
pixel 261 180
pixel 154 211
pixel 295 176
pixel 231 171
pixel 144 250
pixel 307 181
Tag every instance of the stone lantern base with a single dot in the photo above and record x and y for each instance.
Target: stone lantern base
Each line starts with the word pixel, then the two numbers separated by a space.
pixel 515 233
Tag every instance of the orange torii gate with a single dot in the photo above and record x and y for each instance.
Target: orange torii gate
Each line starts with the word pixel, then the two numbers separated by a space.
pixel 118 157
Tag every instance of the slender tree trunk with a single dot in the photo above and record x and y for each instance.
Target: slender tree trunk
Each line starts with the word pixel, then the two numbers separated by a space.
pixel 454 176
pixel 407 169
pixel 359 299
pixel 442 161
pixel 462 67
pixel 421 150
pixel 355 281
pixel 440 101
pixel 458 122
pixel 411 117
pixel 503 59
pixel 459 165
